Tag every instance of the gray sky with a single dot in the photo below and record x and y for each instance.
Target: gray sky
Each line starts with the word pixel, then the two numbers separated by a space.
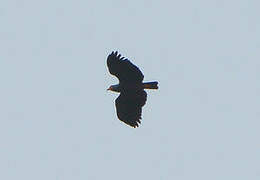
pixel 58 122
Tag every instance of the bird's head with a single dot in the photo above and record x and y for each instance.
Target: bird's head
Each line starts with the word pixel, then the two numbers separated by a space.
pixel 114 88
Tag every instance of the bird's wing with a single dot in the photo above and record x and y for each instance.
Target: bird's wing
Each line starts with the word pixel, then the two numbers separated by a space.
pixel 123 69
pixel 129 107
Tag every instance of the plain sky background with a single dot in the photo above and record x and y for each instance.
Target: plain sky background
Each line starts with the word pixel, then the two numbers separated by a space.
pixel 58 122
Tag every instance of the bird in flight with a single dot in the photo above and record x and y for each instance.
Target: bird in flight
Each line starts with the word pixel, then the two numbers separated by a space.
pixel 131 88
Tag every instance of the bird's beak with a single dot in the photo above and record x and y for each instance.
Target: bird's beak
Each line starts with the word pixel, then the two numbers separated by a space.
pixel 109 89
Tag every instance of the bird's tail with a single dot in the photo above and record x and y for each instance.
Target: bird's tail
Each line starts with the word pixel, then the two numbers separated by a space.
pixel 150 85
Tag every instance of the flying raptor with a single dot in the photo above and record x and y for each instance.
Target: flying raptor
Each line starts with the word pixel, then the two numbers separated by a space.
pixel 131 88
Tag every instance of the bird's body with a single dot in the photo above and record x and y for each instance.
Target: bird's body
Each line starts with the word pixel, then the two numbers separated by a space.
pixel 131 87
pixel 134 87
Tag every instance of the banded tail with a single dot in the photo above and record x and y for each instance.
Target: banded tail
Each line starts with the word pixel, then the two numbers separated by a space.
pixel 150 85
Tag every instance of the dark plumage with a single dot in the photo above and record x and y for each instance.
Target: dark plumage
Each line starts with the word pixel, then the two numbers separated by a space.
pixel 132 95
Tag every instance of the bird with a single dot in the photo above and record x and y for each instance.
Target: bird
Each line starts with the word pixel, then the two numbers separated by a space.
pixel 131 88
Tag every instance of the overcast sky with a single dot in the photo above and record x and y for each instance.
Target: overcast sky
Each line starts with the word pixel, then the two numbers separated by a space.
pixel 58 122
